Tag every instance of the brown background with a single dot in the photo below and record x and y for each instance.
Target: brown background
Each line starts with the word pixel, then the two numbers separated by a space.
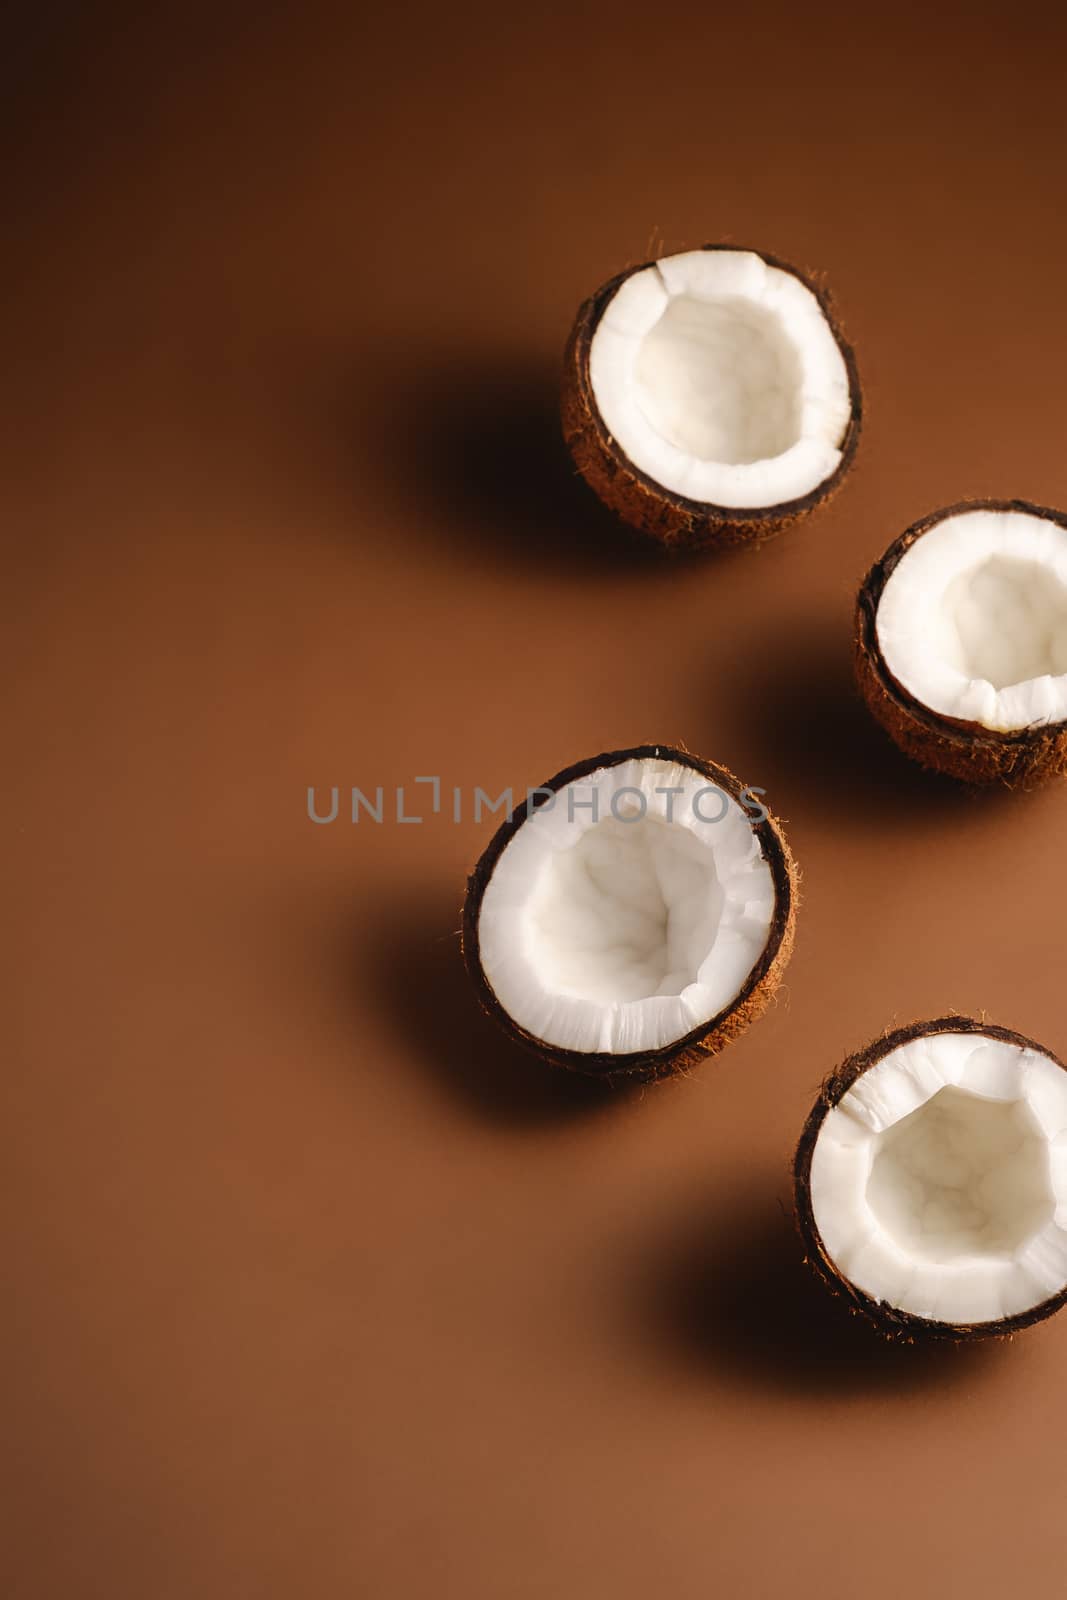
pixel 317 1288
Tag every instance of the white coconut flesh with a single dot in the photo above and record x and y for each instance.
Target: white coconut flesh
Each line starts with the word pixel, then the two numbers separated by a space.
pixel 939 1181
pixel 973 619
pixel 721 379
pixel 624 929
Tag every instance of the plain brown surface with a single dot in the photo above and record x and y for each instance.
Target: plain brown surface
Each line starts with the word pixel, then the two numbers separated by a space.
pixel 317 1288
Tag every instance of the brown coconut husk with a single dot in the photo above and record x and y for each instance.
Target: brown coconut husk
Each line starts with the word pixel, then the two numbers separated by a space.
pixel 709 1037
pixel 670 520
pixel 961 749
pixel 893 1323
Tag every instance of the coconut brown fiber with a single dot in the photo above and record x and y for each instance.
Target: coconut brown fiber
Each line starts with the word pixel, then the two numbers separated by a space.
pixel 709 1037
pixel 1020 760
pixel 670 520
pixel 887 1319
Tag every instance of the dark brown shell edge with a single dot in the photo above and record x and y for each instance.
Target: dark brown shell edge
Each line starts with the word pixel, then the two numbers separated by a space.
pixel 895 1324
pixel 960 749
pixel 670 520
pixel 709 1037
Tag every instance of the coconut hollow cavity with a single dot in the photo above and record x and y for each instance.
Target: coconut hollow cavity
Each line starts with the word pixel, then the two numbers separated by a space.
pixel 709 398
pixel 961 642
pixel 931 1181
pixel 633 915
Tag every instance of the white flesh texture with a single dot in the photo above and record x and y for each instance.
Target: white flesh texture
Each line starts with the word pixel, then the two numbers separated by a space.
pixel 625 931
pixel 939 1181
pixel 720 378
pixel 973 620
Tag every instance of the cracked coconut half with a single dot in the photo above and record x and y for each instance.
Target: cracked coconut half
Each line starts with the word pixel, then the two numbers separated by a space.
pixel 961 648
pixel 709 398
pixel 931 1181
pixel 633 915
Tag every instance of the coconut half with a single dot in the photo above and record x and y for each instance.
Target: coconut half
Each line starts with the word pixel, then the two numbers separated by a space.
pixel 961 641
pixel 931 1181
pixel 709 398
pixel 633 915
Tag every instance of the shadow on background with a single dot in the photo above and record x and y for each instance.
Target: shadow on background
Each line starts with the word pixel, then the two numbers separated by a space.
pixel 477 444
pixel 423 987
pixel 811 730
pixel 747 1305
